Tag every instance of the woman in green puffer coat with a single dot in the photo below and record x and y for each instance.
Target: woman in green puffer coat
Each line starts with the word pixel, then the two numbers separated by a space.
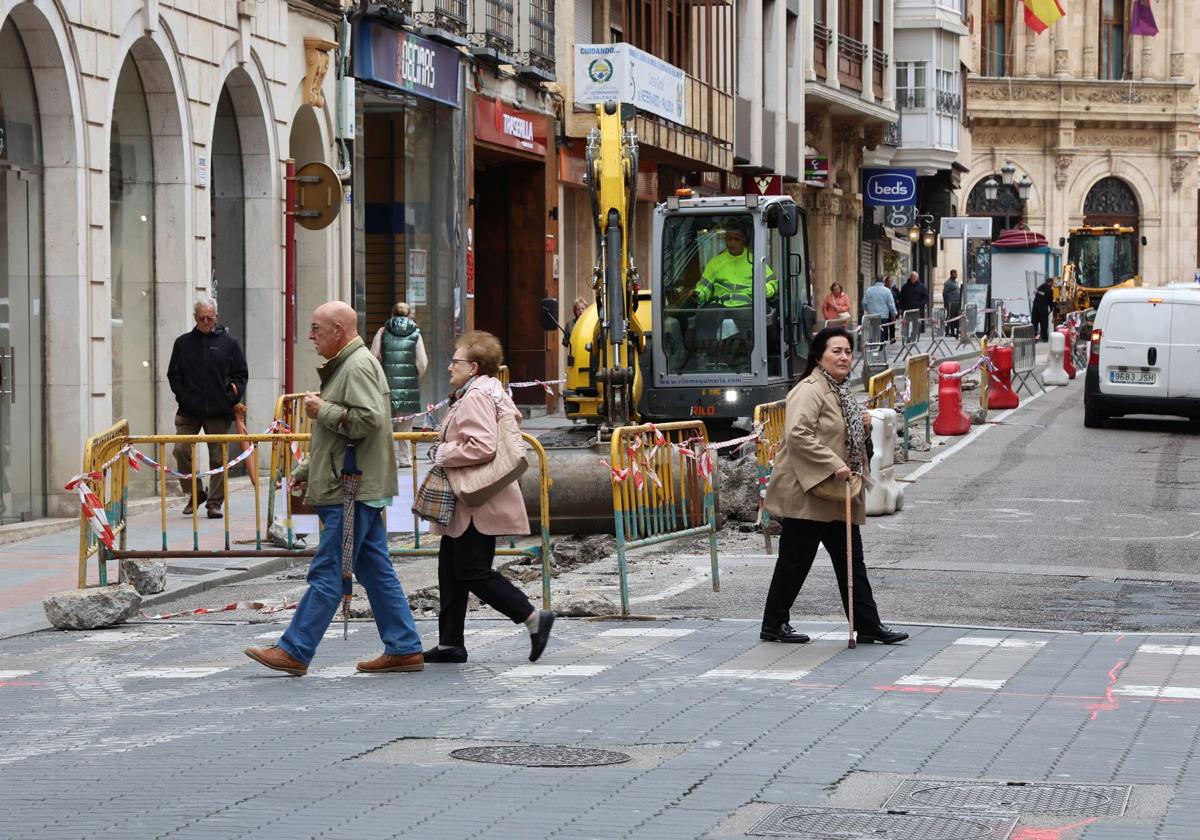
pixel 401 351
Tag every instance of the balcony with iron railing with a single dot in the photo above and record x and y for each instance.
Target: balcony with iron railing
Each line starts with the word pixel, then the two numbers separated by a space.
pixel 949 103
pixel 822 38
pixel 536 40
pixel 493 34
pixel 443 20
pixel 852 54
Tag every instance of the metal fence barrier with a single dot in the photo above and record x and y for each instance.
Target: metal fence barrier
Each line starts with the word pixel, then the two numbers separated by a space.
pixel 968 326
pixel 938 332
pixel 662 490
pixel 917 404
pixel 881 390
pixel 872 347
pixel 1025 358
pixel 910 333
pixel 769 420
pixel 108 455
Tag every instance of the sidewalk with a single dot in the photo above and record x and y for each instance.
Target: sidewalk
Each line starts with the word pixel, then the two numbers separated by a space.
pixel 958 733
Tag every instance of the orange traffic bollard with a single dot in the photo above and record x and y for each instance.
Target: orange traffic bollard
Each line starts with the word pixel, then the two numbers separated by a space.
pixel 1000 392
pixel 951 419
pixel 1068 357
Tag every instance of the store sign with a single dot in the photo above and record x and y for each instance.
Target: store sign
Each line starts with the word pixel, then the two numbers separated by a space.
pixel 765 185
pixel 903 216
pixel 816 170
pixel 402 60
pixel 624 73
pixel 886 187
pixel 498 123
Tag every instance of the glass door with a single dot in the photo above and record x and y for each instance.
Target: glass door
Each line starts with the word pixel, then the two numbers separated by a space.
pixel 22 477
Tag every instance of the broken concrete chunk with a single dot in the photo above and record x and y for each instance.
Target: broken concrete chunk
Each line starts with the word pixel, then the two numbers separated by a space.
pixel 90 609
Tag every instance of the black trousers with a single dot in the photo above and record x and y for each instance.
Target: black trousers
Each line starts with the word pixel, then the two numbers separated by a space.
pixel 465 566
pixel 798 544
pixel 1041 320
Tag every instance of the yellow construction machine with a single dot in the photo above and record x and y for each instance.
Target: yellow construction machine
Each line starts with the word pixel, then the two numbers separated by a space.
pixel 1099 258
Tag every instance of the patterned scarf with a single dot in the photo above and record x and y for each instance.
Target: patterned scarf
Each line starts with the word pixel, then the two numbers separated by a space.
pixel 852 414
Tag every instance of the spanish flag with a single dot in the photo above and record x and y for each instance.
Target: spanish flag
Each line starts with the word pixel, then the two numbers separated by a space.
pixel 1040 14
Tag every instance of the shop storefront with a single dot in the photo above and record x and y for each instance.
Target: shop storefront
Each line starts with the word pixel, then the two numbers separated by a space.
pixel 409 160
pixel 514 236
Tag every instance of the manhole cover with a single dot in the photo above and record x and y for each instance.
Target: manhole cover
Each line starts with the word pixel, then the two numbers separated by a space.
pixel 1011 797
pixel 532 755
pixel 838 824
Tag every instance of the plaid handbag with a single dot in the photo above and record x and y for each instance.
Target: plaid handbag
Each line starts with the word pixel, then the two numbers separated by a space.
pixel 435 498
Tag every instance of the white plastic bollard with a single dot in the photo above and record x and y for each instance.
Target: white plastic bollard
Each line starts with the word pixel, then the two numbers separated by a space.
pixel 886 496
pixel 1054 374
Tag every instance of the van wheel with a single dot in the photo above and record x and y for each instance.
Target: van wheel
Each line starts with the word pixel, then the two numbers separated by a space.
pixel 1092 418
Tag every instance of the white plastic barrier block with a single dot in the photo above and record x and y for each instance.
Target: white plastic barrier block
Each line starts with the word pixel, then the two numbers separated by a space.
pixel 886 496
pixel 1055 374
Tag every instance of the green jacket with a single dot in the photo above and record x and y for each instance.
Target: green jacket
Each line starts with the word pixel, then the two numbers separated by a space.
pixel 358 408
pixel 729 280
pixel 399 351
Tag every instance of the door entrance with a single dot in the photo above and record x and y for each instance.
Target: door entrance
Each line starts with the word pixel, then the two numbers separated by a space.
pixel 22 470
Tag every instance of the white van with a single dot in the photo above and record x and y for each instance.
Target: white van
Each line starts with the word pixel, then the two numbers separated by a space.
pixel 1144 355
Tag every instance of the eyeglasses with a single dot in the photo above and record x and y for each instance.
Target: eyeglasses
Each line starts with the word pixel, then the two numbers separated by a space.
pixel 204 319
pixel 461 362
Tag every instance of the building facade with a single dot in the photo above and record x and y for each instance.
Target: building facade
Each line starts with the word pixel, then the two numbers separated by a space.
pixel 1103 123
pixel 141 152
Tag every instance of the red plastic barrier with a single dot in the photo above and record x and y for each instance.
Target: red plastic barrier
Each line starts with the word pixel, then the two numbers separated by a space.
pixel 951 419
pixel 1000 392
pixel 1068 357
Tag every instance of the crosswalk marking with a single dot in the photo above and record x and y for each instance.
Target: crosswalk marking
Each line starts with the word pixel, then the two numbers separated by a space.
pixel 524 671
pixel 950 682
pixel 336 672
pixel 498 633
pixel 656 632
pixel 113 637
pixel 987 641
pixel 12 675
pixel 1166 691
pixel 743 674
pixel 173 673
pixel 1172 650
pixel 331 633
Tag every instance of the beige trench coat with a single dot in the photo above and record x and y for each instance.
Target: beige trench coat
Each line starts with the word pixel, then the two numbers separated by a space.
pixel 814 447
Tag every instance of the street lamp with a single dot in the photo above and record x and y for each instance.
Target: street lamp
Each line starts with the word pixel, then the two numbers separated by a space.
pixel 1007 171
pixel 990 188
pixel 914 233
pixel 1023 187
pixel 928 238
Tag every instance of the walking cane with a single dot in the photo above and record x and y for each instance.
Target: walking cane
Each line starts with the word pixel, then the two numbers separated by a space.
pixel 351 478
pixel 849 570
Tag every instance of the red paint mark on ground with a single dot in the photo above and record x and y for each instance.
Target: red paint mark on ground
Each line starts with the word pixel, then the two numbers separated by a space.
pixel 21 683
pixel 1048 833
pixel 1119 638
pixel 1108 703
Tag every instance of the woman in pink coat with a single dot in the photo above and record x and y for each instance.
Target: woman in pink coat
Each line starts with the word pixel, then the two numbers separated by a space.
pixel 837 304
pixel 468 547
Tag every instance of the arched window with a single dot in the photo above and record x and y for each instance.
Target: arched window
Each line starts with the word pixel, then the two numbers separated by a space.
pixel 1110 202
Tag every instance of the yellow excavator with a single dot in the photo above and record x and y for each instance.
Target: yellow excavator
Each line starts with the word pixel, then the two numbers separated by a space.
pixel 679 344
pixel 1099 258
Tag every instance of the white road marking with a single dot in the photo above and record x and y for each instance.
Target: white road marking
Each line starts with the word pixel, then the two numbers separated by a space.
pixel 116 636
pixel 950 682
pixel 701 576
pixel 1165 691
pixel 12 675
pixel 988 641
pixel 172 673
pixel 495 632
pixel 658 632
pixel 740 674
pixel 970 438
pixel 331 633
pixel 337 672
pixel 529 671
pixel 1173 650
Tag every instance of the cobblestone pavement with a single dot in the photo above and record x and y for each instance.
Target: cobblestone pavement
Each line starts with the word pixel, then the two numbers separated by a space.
pixel 167 730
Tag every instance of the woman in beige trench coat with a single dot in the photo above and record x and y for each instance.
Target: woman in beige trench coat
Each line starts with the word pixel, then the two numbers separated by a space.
pixel 826 435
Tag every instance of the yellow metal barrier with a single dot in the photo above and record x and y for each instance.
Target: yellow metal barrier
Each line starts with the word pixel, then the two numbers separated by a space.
pixel 662 490
pixel 916 371
pixel 769 421
pixel 502 375
pixel 112 489
pixel 881 390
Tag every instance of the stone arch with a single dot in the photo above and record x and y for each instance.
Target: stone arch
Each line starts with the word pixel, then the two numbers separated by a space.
pixel 64 295
pixel 156 61
pixel 260 282
pixel 1099 168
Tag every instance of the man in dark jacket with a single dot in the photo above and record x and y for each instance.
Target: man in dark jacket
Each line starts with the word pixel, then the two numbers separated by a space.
pixel 208 377
pixel 951 300
pixel 914 295
pixel 1043 300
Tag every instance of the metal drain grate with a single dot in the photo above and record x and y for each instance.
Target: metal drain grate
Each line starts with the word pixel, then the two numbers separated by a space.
pixel 537 755
pixel 1010 797
pixel 839 824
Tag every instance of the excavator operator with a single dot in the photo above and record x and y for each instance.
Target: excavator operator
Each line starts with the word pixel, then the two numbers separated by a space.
pixel 728 278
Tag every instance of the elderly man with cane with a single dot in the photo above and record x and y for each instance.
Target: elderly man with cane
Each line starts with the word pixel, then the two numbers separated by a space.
pixel 352 434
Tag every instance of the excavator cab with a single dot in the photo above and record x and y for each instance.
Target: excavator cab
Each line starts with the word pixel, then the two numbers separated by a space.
pixel 728 292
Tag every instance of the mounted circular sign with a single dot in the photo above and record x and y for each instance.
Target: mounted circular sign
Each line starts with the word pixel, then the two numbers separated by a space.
pixel 318 196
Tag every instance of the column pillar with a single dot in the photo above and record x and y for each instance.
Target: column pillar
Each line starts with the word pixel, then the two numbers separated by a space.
pixel 1091 36
pixel 1177 31
pixel 868 29
pixel 889 47
pixel 831 52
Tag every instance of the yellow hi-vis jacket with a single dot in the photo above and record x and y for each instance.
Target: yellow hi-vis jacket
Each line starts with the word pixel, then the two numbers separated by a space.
pixel 729 280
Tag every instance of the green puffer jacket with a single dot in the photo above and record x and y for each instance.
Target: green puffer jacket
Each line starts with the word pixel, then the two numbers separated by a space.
pixel 398 346
pixel 357 409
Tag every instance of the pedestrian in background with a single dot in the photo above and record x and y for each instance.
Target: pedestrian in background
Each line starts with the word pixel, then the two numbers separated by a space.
pixel 401 351
pixel 837 304
pixel 352 408
pixel 951 300
pixel 469 437
pixel 208 374
pixel 576 310
pixel 1043 300
pixel 890 331
pixel 878 300
pixel 914 295
pixel 825 438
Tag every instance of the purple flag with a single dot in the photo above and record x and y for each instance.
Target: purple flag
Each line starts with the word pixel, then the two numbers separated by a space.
pixel 1141 19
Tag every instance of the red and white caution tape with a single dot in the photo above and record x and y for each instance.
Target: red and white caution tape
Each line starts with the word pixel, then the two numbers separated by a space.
pixel 262 606
pixel 92 509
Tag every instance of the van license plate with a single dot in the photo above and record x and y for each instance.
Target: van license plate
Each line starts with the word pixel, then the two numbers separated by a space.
pixel 1132 377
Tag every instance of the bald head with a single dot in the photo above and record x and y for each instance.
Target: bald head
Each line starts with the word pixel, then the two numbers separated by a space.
pixel 334 325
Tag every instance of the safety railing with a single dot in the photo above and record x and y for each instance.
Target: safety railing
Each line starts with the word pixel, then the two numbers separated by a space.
pixel 916 404
pixel 881 390
pixel 968 325
pixel 662 490
pixel 109 456
pixel 769 423
pixel 938 333
pixel 910 333
pixel 1025 358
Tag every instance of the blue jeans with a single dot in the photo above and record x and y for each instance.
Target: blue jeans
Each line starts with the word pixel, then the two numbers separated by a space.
pixel 372 567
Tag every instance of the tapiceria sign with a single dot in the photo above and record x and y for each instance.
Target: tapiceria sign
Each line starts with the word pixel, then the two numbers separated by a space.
pixel 503 125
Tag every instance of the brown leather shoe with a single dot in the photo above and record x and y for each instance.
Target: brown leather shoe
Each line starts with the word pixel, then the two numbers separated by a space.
pixel 277 659
pixel 387 663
